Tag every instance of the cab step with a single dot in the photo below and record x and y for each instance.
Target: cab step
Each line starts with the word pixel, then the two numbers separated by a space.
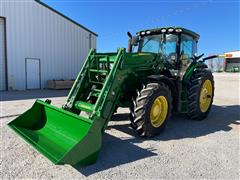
pixel 97 82
pixel 98 70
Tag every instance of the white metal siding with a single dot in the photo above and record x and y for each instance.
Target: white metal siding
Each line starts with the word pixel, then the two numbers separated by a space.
pixel 2 56
pixel 34 31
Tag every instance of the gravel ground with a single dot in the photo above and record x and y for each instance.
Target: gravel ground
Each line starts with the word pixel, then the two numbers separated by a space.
pixel 187 149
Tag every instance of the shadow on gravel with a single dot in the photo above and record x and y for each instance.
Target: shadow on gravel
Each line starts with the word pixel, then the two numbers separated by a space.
pixel 31 94
pixel 116 152
pixel 179 127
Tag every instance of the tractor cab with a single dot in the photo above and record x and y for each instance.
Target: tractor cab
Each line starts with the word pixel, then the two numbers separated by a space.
pixel 176 45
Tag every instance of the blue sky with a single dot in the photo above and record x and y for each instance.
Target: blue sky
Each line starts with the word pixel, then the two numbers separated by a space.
pixel 216 21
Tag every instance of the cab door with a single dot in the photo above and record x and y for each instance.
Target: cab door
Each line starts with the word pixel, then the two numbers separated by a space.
pixel 170 53
pixel 188 48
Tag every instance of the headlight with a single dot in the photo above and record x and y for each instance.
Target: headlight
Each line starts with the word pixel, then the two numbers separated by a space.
pixel 178 30
pixel 143 33
pixel 170 30
pixel 148 32
pixel 163 30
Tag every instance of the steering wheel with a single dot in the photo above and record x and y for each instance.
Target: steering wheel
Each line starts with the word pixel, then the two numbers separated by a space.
pixel 172 58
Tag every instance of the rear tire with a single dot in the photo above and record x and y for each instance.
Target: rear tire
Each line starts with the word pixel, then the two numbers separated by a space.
pixel 151 109
pixel 200 94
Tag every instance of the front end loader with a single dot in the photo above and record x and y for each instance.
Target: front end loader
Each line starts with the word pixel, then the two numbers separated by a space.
pixel 159 74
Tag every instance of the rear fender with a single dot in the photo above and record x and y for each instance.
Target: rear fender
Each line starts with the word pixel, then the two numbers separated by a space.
pixel 191 69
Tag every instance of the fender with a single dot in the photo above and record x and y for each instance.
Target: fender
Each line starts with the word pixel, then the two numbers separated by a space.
pixel 201 65
pixel 191 69
pixel 171 84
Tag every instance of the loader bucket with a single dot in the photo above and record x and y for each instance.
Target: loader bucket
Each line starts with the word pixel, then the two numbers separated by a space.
pixel 63 137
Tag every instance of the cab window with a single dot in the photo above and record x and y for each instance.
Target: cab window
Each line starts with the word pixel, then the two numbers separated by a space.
pixel 170 46
pixel 170 49
pixel 151 44
pixel 188 49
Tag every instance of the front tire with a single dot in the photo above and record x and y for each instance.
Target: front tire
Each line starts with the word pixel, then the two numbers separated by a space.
pixel 151 110
pixel 200 94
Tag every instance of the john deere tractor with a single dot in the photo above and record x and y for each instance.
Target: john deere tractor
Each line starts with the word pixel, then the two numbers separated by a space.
pixel 159 74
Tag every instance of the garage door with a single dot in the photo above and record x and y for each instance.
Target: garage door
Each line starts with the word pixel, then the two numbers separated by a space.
pixel 2 56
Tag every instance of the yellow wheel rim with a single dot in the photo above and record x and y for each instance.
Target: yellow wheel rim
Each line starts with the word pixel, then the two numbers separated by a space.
pixel 159 111
pixel 205 95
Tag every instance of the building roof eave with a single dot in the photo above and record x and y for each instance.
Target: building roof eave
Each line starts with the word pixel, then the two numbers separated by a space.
pixel 69 19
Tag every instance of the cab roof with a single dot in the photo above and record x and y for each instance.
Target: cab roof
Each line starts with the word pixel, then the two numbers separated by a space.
pixel 175 29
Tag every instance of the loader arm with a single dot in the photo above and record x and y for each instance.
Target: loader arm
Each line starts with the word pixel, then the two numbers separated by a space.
pixel 64 135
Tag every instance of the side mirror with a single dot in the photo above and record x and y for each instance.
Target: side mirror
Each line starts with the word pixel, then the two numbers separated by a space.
pixel 195 57
pixel 135 40
pixel 129 35
pixel 210 57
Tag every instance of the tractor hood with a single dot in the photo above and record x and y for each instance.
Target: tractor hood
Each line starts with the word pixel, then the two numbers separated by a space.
pixel 132 58
pixel 137 61
pixel 140 61
pixel 138 58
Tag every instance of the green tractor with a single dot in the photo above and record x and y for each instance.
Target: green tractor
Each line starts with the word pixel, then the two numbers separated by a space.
pixel 159 74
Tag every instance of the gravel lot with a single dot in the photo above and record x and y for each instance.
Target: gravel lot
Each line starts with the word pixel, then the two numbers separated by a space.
pixel 187 149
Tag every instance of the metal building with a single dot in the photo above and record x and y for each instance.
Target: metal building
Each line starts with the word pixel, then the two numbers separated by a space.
pixel 232 61
pixel 38 43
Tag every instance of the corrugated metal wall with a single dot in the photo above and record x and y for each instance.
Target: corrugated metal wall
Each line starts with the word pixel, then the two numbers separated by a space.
pixel 34 31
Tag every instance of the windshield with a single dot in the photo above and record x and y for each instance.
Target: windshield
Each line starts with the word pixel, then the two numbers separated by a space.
pixel 155 44
pixel 150 44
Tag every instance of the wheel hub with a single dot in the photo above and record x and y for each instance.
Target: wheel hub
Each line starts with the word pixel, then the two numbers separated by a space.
pixel 205 95
pixel 158 111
